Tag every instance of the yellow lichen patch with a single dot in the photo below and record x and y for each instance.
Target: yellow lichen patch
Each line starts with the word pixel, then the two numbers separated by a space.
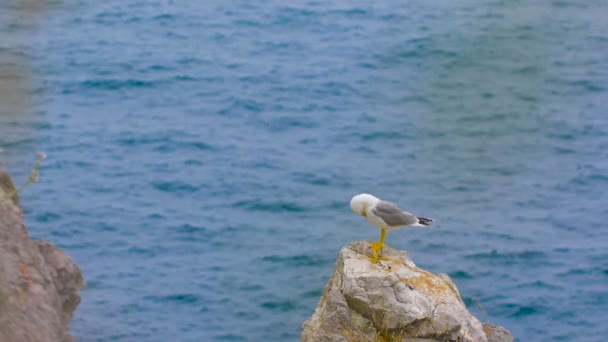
pixel 488 329
pixel 384 336
pixel 393 261
pixel 352 336
pixel 428 283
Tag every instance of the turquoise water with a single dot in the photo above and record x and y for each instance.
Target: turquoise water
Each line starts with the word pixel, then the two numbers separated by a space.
pixel 202 155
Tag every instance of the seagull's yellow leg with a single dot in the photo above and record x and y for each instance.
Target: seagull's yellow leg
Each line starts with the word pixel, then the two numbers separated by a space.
pixel 377 246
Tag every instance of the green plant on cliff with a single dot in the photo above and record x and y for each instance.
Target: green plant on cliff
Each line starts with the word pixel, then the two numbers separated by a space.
pixel 8 189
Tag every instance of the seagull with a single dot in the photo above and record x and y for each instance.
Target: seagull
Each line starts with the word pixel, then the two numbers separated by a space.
pixel 384 215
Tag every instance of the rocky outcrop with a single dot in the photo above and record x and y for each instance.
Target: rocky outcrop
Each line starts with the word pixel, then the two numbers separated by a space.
pixel 496 333
pixel 392 300
pixel 39 283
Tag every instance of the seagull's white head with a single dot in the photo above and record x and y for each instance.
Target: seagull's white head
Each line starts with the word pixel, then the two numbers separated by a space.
pixel 361 202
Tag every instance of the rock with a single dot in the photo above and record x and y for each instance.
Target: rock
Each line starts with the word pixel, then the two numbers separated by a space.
pixel 392 300
pixel 497 333
pixel 39 283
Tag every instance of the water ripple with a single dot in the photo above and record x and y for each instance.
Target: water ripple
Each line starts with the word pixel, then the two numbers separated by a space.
pixel 279 206
pixel 175 187
pixel 296 260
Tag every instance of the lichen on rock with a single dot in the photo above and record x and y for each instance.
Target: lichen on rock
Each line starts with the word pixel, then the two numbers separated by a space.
pixel 391 300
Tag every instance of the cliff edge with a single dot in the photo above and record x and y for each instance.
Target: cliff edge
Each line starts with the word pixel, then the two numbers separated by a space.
pixel 392 300
pixel 39 283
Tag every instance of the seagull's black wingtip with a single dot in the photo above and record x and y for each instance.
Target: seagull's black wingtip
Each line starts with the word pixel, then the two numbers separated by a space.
pixel 425 221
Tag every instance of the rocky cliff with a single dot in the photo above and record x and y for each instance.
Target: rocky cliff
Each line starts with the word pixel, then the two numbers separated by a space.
pixel 39 283
pixel 392 300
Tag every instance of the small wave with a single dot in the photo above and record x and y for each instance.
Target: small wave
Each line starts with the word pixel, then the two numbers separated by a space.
pixel 184 78
pixel 585 179
pixel 290 16
pixel 523 255
pixel 502 236
pixel 247 315
pixel 155 216
pixel 286 123
pixel 340 205
pixel 251 288
pixel 563 150
pixel 230 337
pixel 296 260
pixel 525 97
pixel 577 272
pixel 175 187
pixel 103 226
pixel 337 89
pixel 529 70
pixel 589 86
pixel 48 217
pixel 270 207
pixel 489 117
pixel 237 105
pixel 110 84
pixel 158 67
pixel 522 310
pixel 247 23
pixel 350 12
pixel 185 298
pixel 147 251
pixel 282 306
pixel 310 178
pixel 142 140
pixel 165 142
pixel 563 136
pixel 188 233
pixel 537 285
pixel 115 14
pixel 460 275
pixel 437 246
pixel 193 162
pixel 188 228
pixel 164 17
pixel 386 135
pixel 190 62
pixel 368 65
pixel 173 146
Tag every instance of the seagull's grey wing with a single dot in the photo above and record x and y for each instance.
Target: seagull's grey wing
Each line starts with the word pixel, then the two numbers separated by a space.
pixel 393 215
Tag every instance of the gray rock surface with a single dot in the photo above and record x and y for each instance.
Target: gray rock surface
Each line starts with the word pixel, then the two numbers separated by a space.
pixel 497 333
pixel 392 300
pixel 39 283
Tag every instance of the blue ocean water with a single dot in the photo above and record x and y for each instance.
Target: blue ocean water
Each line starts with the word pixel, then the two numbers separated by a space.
pixel 201 155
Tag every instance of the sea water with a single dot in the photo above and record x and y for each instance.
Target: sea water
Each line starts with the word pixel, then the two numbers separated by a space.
pixel 202 155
